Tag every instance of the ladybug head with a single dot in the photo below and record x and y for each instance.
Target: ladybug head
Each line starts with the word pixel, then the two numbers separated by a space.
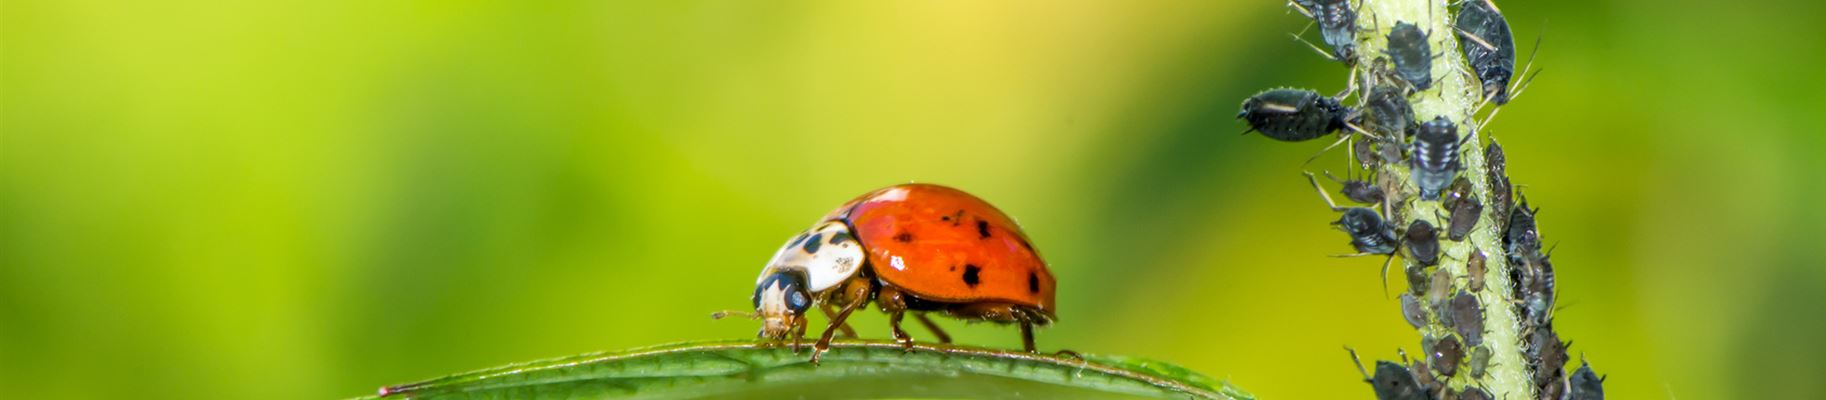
pixel 781 300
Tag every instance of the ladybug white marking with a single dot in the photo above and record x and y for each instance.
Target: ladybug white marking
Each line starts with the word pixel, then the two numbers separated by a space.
pixel 828 253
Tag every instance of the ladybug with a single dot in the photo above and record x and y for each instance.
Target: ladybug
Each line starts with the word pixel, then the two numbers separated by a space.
pixel 913 248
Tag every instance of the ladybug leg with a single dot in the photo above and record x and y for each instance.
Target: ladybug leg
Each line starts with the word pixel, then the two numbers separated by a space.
pixel 799 334
pixel 901 336
pixel 930 326
pixel 831 314
pixel 1027 336
pixel 857 292
pixel 894 302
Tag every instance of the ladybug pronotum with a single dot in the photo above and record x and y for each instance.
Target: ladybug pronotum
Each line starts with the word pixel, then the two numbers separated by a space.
pixel 913 248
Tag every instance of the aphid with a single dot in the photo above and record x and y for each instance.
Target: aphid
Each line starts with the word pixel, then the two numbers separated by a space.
pixel 1444 355
pixel 1412 55
pixel 1417 279
pixel 1439 288
pixel 1489 47
pixel 913 247
pixel 1386 109
pixel 1468 318
pixel 1337 23
pixel 1358 190
pixel 1498 180
pixel 1293 115
pixel 1474 393
pixel 1369 233
pixel 1364 149
pixel 1464 207
pixel 1474 268
pixel 1480 361
pixel 1524 238
pixel 1549 356
pixel 1392 381
pixel 1436 159
pixel 1586 385
pixel 1410 310
pixel 1423 242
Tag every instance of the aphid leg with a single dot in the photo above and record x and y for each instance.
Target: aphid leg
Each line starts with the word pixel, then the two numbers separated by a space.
pixel 1302 10
pixel 1341 139
pixel 1314 47
pixel 1385 268
pixel 1359 362
pixel 930 326
pixel 1321 189
pixel 831 314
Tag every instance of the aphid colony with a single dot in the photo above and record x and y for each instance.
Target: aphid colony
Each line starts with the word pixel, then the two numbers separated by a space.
pixel 1415 199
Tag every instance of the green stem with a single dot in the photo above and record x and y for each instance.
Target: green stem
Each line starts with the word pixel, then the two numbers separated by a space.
pixel 852 368
pixel 1455 94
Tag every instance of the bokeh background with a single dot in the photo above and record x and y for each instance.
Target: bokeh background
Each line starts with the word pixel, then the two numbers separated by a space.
pixel 310 199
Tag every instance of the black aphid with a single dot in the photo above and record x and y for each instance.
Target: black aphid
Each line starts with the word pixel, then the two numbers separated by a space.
pixel 1445 354
pixel 1480 361
pixel 1550 362
pixel 1423 242
pixel 1293 115
pixel 1392 381
pixel 1412 55
pixel 1586 385
pixel 1436 158
pixel 1465 209
pixel 1337 23
pixel 1358 190
pixel 1498 180
pixel 1488 46
pixel 1468 318
pixel 1369 233
pixel 1475 393
pixel 1386 109
pixel 1411 311
pixel 1523 238
pixel 1417 279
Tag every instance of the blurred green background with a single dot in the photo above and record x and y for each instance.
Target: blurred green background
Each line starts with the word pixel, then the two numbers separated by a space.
pixel 219 199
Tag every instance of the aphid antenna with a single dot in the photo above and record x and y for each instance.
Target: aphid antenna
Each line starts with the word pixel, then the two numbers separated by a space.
pixel 1365 373
pixel 737 313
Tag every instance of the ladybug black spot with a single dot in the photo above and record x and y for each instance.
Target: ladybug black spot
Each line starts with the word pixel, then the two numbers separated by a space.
pixel 1033 282
pixel 797 240
pixel 812 243
pixel 970 275
pixel 840 237
pixel 904 237
pixel 982 228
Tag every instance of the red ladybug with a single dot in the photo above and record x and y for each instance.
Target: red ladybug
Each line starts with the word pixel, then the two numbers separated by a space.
pixel 911 248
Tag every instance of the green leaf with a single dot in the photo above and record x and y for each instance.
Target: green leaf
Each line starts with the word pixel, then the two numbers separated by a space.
pixel 852 369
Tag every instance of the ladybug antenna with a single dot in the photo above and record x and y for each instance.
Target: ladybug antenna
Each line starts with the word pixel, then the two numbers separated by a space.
pixel 726 313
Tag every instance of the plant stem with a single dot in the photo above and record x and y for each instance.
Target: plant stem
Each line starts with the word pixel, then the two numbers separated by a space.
pixel 1455 95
